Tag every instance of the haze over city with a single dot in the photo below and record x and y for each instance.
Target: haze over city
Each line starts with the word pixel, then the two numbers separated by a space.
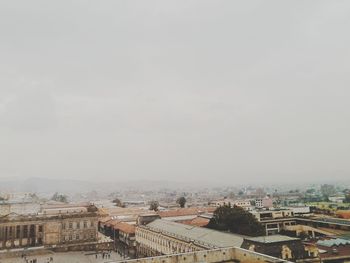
pixel 175 90
pixel 174 131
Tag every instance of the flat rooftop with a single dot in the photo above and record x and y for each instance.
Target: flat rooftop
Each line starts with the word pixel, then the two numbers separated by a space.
pixel 271 239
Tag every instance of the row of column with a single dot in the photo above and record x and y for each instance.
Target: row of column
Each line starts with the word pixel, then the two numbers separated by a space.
pixel 162 243
pixel 20 235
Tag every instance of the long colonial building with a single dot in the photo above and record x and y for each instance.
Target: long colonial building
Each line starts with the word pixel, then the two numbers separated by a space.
pixel 228 255
pixel 63 228
pixel 163 237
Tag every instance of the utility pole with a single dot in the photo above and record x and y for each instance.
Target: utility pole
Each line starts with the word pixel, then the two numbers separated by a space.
pixel 114 240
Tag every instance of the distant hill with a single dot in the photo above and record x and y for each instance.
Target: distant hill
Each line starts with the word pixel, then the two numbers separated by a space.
pixel 45 185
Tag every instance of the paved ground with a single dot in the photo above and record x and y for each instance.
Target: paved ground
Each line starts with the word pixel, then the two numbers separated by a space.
pixel 69 257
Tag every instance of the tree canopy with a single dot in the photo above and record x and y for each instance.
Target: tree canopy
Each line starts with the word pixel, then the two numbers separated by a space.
pixel 236 220
pixel 153 205
pixel 181 201
pixel 347 198
pixel 60 198
pixel 118 202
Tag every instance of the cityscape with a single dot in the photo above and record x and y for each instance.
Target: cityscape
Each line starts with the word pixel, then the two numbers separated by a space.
pixel 174 131
pixel 248 223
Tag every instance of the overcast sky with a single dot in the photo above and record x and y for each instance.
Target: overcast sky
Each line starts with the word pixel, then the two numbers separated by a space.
pixel 242 91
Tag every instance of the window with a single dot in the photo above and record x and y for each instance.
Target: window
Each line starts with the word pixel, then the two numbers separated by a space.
pixel 64 226
pixel 77 237
pixel 70 225
pixel 85 224
pixel 78 225
pixel 92 235
pixel 70 237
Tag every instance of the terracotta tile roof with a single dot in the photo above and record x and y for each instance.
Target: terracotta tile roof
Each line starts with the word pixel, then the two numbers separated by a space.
pixel 124 227
pixel 343 214
pixel 112 223
pixel 105 219
pixel 121 226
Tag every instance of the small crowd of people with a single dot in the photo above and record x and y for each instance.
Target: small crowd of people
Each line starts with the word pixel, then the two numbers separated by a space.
pixel 104 255
pixel 34 260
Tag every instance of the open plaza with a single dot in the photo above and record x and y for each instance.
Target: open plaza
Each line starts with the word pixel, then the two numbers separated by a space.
pixel 66 257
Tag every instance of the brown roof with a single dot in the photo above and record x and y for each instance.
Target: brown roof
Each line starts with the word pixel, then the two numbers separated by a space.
pixel 342 251
pixel 105 219
pixel 198 221
pixel 121 226
pixel 111 223
pixel 343 214
pixel 124 227
pixel 186 211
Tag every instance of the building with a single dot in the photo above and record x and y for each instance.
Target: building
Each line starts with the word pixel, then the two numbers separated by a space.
pixel 300 210
pixel 275 220
pixel 221 202
pixel 337 198
pixel 125 214
pixel 21 207
pixel 63 230
pixel 278 246
pixel 229 255
pixel 55 208
pixel 164 237
pixel 263 202
pixel 188 216
pixel 272 214
pixel 122 233
pixel 245 204
pixel 325 222
pixel 197 221
pixel 146 218
pixel 334 250
pixel 190 211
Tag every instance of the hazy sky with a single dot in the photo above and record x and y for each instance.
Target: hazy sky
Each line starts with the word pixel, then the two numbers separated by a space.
pixel 239 90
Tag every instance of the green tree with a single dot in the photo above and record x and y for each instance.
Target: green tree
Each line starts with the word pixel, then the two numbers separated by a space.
pixel 310 191
pixel 231 195
pixel 347 198
pixel 33 196
pixel 327 190
pixel 154 205
pixel 236 220
pixel 118 202
pixel 181 201
pixel 59 198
